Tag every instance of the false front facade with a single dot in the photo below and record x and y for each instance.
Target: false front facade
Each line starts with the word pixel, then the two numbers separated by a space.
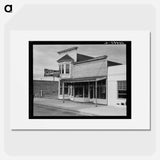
pixel 91 79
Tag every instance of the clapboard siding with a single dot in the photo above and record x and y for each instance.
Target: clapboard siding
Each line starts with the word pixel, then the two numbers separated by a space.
pixel 90 69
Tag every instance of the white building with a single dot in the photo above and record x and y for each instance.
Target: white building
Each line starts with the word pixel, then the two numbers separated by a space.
pixel 91 79
pixel 117 85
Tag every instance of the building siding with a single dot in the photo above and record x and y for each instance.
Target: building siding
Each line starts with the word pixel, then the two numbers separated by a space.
pixel 90 69
pixel 115 74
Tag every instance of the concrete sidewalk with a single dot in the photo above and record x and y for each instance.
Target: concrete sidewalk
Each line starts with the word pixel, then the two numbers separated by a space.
pixel 86 108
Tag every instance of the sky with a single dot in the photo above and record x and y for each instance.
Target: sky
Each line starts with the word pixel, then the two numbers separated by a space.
pixel 46 56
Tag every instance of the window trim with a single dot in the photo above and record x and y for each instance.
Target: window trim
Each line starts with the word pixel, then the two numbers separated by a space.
pixel 63 67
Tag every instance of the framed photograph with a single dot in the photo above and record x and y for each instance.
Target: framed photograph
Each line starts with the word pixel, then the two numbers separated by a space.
pixel 80 80
pixel 85 79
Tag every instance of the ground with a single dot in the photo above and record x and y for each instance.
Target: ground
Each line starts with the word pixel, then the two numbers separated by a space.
pixel 42 110
pixel 55 107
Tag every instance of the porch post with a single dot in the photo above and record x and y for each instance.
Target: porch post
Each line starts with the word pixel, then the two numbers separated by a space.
pixel 59 88
pixel 89 90
pixel 73 90
pixel 93 91
pixel 83 91
pixel 63 90
pixel 96 92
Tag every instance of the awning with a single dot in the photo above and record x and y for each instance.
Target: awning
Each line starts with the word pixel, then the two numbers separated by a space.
pixel 84 79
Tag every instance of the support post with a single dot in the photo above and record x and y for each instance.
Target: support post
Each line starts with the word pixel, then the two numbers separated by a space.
pixel 89 90
pixel 93 91
pixel 41 93
pixel 63 90
pixel 59 88
pixel 73 90
pixel 83 90
pixel 96 92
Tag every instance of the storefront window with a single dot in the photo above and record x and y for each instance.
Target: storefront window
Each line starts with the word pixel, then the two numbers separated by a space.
pixel 86 90
pixel 81 89
pixel 78 90
pixel 92 90
pixel 60 88
pixel 122 93
pixel 65 88
pixel 101 89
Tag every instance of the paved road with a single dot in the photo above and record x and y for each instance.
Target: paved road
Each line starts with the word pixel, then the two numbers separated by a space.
pixel 42 110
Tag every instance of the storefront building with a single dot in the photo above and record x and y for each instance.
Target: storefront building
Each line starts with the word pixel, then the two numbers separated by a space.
pixel 91 79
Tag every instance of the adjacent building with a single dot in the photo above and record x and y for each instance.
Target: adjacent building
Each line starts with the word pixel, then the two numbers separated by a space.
pixel 91 79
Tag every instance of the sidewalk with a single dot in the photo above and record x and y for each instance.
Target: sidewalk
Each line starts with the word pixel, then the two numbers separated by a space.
pixel 86 108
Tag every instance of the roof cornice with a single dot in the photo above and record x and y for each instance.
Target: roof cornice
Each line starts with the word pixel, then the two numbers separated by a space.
pixel 67 50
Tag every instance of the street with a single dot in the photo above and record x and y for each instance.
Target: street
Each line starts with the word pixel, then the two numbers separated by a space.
pixel 55 107
pixel 42 110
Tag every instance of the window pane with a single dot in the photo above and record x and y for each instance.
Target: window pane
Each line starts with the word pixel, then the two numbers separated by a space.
pixel 86 90
pixel 122 93
pixel 61 88
pixel 65 88
pixel 78 90
pixel 62 68
pixel 67 68
pixel 101 89
pixel 121 85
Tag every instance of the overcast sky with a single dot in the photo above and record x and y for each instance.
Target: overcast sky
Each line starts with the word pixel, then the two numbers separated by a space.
pixel 46 56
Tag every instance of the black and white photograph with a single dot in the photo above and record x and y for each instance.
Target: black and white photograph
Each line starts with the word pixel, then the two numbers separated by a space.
pixel 80 79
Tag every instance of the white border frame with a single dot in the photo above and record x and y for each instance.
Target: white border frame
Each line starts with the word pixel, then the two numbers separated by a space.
pixel 140 82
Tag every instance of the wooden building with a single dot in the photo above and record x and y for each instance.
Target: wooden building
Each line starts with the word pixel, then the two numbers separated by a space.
pixel 91 79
